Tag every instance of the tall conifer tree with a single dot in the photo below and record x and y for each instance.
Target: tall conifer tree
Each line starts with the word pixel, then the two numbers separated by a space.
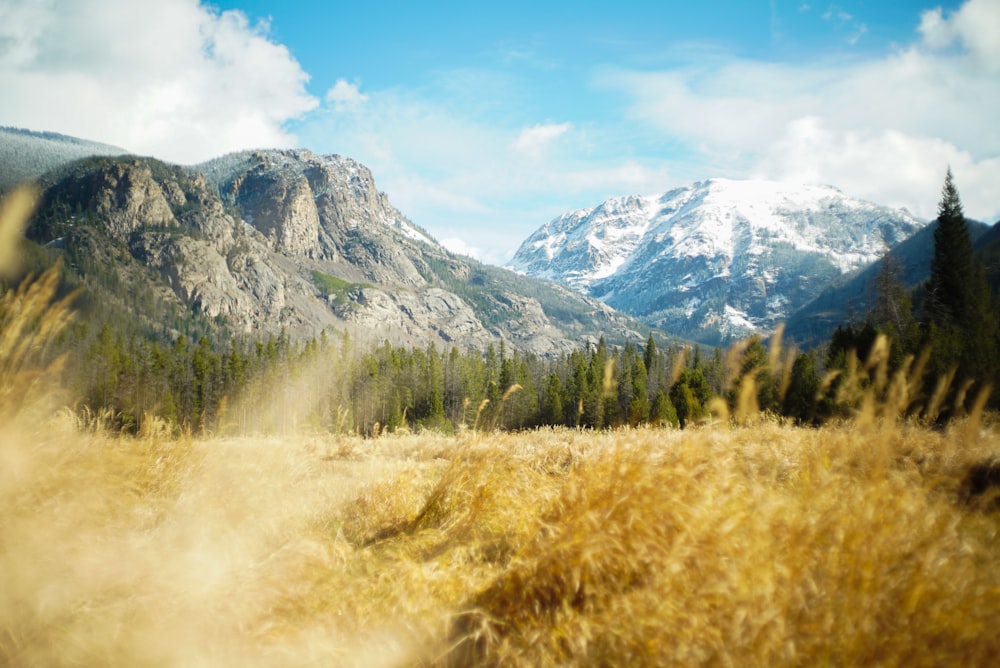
pixel 950 286
pixel 959 308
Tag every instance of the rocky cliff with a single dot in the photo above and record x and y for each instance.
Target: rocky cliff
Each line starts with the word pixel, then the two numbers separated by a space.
pixel 264 241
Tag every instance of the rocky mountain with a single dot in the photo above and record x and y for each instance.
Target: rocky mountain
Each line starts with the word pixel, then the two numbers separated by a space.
pixel 263 241
pixel 715 260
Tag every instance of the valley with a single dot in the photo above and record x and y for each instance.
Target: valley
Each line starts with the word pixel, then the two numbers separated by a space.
pixel 309 500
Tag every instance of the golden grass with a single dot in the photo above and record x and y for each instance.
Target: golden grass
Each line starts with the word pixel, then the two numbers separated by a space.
pixel 14 212
pixel 752 546
pixel 764 544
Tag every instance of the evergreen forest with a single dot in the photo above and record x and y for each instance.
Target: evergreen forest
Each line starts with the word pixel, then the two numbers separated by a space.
pixel 943 336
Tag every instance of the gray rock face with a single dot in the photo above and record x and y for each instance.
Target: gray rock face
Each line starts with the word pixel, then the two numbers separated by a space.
pixel 200 276
pixel 283 210
pixel 272 240
pixel 127 197
pixel 716 260
pixel 404 316
pixel 321 207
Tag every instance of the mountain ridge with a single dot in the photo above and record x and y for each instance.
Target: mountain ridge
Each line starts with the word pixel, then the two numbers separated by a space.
pixel 716 260
pixel 28 154
pixel 848 299
pixel 272 241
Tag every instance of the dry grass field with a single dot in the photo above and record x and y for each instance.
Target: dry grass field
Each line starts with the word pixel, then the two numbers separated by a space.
pixel 861 543
pixel 763 545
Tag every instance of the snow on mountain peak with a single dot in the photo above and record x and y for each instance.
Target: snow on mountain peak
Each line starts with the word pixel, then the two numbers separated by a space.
pixel 746 251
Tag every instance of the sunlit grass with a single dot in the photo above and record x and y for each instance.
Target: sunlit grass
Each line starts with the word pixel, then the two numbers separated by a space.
pixel 737 542
pixel 753 546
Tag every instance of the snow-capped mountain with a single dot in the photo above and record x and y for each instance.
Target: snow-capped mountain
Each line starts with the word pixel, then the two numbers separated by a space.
pixel 717 259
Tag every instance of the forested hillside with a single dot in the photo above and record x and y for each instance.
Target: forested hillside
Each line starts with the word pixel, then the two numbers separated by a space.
pixel 25 154
pixel 137 352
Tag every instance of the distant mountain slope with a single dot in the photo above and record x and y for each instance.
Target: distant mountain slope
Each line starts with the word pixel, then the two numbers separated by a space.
pixel 264 241
pixel 988 249
pixel 716 260
pixel 849 298
pixel 25 154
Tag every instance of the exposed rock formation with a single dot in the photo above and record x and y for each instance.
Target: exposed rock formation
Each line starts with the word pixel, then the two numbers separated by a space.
pixel 266 241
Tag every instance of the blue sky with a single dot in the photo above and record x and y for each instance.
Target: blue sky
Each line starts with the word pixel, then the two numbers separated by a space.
pixel 483 121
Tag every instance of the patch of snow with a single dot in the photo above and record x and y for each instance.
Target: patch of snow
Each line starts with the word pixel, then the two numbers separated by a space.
pixel 411 232
pixel 738 318
pixel 690 307
pixel 776 304
pixel 633 249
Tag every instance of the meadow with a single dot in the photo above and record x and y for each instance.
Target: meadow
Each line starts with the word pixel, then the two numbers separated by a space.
pixel 755 545
pixel 742 540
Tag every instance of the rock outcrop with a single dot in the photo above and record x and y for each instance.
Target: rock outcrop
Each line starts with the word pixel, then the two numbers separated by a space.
pixel 270 241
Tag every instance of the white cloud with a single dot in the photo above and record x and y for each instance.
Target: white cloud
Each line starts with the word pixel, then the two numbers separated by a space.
pixel 345 97
pixel 460 247
pixel 937 32
pixel 884 128
pixel 859 31
pixel 887 166
pixel 464 176
pixel 170 78
pixel 533 141
pixel 976 24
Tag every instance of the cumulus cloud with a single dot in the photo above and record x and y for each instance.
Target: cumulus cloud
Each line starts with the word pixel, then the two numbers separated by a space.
pixel 976 24
pixel 171 78
pixel 345 97
pixel 886 166
pixel 884 128
pixel 467 177
pixel 532 141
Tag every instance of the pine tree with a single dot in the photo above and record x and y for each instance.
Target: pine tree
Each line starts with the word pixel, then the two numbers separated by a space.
pixel 800 400
pixel 435 387
pixel 689 395
pixel 962 322
pixel 650 354
pixel 949 287
pixel 638 409
pixel 552 406
pixel 663 411
pixel 598 387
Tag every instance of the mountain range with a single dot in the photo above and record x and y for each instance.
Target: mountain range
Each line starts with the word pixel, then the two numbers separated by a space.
pixel 717 260
pixel 260 242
